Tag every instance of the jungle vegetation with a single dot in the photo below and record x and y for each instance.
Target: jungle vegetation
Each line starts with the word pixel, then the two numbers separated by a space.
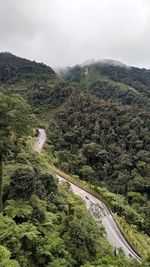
pixel 98 130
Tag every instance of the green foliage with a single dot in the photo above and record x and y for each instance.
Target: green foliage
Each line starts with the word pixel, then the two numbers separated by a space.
pixel 43 223
pixel 51 231
pixel 105 144
pixel 5 258
pixel 135 197
pixel 22 182
pixel 48 96
pixel 87 173
pixel 46 185
pixel 16 120
pixel 130 86
pixel 117 92
pixel 13 69
pixel 140 241
pixel 17 208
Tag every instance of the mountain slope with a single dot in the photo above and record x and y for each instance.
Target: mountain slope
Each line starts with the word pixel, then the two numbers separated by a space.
pixel 42 223
pixel 36 82
pixel 98 128
pixel 129 86
pixel 13 69
pixel 106 145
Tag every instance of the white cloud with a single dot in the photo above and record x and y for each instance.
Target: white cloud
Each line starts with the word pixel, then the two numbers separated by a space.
pixel 62 32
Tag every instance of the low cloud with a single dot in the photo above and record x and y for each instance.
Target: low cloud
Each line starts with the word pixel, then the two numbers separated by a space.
pixel 67 32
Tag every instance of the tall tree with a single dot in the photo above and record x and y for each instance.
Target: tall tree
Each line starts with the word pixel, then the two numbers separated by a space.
pixel 16 120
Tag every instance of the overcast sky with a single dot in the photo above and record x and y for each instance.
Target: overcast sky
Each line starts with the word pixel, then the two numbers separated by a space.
pixel 67 32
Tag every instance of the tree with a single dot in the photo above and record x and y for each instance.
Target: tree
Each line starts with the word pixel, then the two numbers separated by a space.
pixel 91 152
pixel 46 185
pixel 135 197
pixel 16 119
pixel 18 208
pixel 22 182
pixel 5 258
pixel 87 173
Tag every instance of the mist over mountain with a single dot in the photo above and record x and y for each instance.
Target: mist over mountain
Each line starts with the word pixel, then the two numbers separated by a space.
pixel 104 62
pixel 74 133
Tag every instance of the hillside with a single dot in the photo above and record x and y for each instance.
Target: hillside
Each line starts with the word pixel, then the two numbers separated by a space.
pixel 14 69
pixel 42 223
pixel 106 145
pixel 98 126
pixel 129 86
pixel 36 82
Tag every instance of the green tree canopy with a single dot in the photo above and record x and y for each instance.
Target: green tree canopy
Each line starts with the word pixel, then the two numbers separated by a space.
pixel 16 120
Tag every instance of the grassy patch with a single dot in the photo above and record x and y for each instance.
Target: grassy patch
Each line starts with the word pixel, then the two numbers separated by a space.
pixel 139 240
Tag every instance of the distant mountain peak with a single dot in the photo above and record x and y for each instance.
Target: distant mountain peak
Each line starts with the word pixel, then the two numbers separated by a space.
pixel 112 62
pixel 88 62
pixel 104 61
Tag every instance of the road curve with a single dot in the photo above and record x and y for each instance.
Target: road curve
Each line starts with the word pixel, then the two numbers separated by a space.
pixel 101 214
pixel 40 140
pixel 97 209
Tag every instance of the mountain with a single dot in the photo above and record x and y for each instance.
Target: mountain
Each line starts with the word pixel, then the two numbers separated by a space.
pixel 36 82
pixel 13 69
pixel 129 86
pixel 101 134
pixel 104 61
pixel 97 121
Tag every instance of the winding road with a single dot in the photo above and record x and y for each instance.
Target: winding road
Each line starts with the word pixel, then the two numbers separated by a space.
pixel 40 140
pixel 97 208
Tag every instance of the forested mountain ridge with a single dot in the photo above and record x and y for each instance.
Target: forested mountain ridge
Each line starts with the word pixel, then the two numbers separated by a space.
pixel 105 144
pixel 115 83
pixel 43 223
pixel 14 69
pixel 102 140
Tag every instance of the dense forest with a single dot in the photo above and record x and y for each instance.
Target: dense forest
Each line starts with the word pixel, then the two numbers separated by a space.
pixel 106 145
pixel 128 85
pixel 98 129
pixel 14 69
pixel 42 223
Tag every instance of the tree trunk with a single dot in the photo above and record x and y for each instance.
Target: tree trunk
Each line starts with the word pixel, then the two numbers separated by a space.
pixel 1 182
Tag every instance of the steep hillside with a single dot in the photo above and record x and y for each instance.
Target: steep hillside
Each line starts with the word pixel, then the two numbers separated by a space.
pixel 14 69
pixel 36 82
pixel 105 144
pixel 130 86
pixel 42 223
pixel 42 96
pixel 98 128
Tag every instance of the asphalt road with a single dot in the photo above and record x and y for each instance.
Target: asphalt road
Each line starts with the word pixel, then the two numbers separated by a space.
pixel 97 208
pixel 40 140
